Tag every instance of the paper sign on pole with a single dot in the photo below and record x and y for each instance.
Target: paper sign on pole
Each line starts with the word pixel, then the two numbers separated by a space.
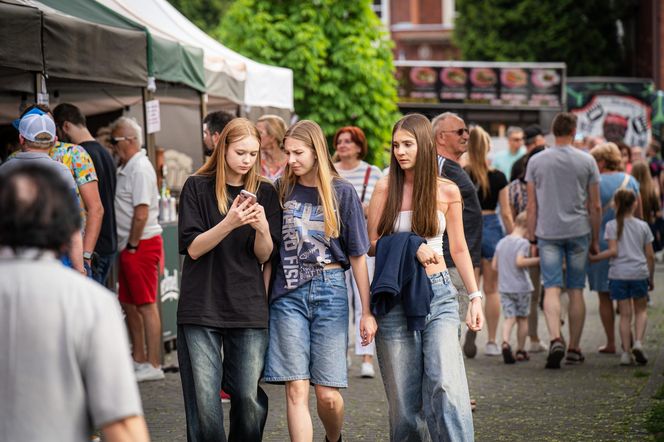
pixel 153 116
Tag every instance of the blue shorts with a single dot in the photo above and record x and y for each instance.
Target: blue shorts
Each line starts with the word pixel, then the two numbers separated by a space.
pixel 492 232
pixel 573 251
pixel 309 333
pixel 622 289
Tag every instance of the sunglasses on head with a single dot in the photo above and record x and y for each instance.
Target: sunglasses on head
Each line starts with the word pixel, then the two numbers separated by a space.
pixel 459 132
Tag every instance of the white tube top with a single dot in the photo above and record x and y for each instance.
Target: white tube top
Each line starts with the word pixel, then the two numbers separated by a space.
pixel 404 223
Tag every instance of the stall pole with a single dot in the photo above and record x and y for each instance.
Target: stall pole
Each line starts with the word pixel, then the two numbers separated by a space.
pixel 203 109
pixel 150 140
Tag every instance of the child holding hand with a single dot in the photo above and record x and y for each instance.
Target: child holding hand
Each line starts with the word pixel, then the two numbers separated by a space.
pixel 631 267
pixel 511 260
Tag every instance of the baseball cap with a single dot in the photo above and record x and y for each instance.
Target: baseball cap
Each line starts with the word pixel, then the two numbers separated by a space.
pixel 32 125
pixel 530 132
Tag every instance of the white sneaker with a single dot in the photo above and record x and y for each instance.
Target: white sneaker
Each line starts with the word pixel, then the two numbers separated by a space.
pixel 138 366
pixel 491 349
pixel 367 370
pixel 149 373
pixel 537 347
pixel 626 359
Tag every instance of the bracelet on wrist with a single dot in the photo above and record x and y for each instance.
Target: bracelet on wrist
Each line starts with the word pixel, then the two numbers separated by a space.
pixel 132 247
pixel 477 294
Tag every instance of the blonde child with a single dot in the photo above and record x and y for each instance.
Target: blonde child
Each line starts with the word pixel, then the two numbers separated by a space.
pixel 511 261
pixel 631 268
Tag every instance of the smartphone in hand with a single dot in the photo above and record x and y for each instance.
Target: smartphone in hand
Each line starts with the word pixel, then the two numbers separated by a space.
pixel 244 195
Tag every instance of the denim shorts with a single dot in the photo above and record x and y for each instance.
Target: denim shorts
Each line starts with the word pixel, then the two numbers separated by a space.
pixel 309 333
pixel 515 305
pixel 492 232
pixel 622 289
pixel 572 251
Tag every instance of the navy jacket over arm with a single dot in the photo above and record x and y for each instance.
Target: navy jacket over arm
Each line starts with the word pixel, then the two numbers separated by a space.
pixel 400 278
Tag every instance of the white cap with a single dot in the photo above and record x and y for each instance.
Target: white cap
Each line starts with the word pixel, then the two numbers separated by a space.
pixel 32 125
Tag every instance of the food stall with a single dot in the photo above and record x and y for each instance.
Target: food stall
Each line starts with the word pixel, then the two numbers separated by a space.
pixel 491 94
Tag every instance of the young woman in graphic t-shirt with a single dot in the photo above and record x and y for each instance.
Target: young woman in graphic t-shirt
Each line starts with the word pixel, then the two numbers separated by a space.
pixel 323 234
pixel 223 301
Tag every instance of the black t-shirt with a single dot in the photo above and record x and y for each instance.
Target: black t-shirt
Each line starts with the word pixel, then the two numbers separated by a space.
pixel 472 213
pixel 223 288
pixel 107 242
pixel 519 167
pixel 497 182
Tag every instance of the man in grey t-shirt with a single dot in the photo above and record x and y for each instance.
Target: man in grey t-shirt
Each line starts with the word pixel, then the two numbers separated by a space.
pixel 563 220
pixel 65 366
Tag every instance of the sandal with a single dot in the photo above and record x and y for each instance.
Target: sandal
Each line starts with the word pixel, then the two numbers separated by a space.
pixel 522 355
pixel 604 349
pixel 508 357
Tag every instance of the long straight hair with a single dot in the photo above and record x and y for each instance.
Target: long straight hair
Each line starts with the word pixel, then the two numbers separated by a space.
pixel 479 144
pixel 310 133
pixel 624 200
pixel 425 186
pixel 641 172
pixel 236 130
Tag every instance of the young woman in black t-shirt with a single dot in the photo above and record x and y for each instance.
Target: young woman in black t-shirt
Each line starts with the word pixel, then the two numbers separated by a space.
pixel 492 190
pixel 223 301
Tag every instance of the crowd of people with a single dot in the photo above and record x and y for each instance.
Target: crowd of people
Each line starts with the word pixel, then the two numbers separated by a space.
pixel 282 240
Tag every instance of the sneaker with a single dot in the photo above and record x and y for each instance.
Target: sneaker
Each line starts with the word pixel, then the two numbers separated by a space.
pixel 469 347
pixel 556 354
pixel 508 357
pixel 639 354
pixel 149 373
pixel 225 397
pixel 537 347
pixel 138 366
pixel 491 349
pixel 367 370
pixel 626 359
pixel 574 357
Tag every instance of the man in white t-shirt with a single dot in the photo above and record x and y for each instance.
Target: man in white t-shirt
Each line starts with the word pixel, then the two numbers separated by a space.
pixel 65 367
pixel 140 245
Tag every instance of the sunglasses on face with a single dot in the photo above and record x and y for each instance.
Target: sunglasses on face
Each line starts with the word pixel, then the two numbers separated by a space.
pixel 459 132
pixel 115 140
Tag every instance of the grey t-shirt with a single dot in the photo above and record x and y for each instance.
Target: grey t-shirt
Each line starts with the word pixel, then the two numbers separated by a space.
pixel 65 366
pixel 41 159
pixel 562 175
pixel 630 263
pixel 512 278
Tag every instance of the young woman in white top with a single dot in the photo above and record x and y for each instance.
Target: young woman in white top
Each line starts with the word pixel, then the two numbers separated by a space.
pixel 351 148
pixel 423 371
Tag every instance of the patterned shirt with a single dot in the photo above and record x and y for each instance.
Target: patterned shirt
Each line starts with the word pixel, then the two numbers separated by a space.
pixel 78 161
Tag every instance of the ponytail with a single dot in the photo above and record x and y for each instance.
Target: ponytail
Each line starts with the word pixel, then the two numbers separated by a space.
pixel 624 201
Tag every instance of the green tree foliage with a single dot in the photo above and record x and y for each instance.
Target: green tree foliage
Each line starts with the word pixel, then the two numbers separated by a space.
pixel 205 14
pixel 341 60
pixel 584 34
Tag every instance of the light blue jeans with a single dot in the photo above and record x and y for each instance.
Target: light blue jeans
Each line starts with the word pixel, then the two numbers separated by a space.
pixel 423 371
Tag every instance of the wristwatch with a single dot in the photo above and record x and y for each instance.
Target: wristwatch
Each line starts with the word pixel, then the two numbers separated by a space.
pixel 132 247
pixel 87 256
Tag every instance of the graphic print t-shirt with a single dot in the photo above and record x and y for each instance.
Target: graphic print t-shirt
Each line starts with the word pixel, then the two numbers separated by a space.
pixel 304 249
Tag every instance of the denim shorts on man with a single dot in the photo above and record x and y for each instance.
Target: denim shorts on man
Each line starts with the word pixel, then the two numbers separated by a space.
pixel 622 289
pixel 309 333
pixel 572 251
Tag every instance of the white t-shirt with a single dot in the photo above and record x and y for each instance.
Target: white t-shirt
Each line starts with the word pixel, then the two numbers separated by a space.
pixel 630 263
pixel 65 366
pixel 137 184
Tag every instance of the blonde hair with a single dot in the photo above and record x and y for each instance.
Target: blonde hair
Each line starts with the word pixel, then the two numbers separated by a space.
pixel 521 220
pixel 236 130
pixel 609 153
pixel 310 133
pixel 479 144
pixel 276 127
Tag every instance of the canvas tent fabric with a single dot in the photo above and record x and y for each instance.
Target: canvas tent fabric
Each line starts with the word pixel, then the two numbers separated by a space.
pixel 39 39
pixel 167 59
pixel 264 85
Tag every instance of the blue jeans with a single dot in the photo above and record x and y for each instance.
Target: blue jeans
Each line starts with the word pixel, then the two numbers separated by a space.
pixel 203 374
pixel 101 267
pixel 309 333
pixel 423 371
pixel 575 253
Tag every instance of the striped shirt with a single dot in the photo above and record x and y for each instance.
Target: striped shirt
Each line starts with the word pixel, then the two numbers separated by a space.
pixel 356 178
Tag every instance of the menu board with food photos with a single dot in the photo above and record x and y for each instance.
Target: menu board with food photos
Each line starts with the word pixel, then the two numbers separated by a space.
pixel 509 85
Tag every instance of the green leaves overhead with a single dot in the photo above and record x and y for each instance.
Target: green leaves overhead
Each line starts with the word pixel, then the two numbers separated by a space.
pixel 340 55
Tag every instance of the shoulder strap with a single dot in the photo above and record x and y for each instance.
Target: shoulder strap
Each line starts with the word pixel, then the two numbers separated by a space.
pixel 366 183
pixel 623 185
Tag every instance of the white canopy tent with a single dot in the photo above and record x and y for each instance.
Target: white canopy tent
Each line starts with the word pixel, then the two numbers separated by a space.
pixel 265 86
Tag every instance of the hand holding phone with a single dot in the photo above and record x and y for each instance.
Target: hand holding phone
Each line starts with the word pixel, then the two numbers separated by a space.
pixel 244 195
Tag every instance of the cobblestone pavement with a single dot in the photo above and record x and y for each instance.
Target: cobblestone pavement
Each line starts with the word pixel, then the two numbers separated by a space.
pixel 598 400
